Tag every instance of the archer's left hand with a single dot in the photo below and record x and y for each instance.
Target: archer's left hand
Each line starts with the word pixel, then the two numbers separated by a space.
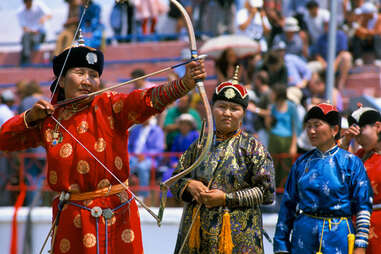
pixel 194 70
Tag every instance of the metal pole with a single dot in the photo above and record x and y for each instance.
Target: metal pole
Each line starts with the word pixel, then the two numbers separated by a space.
pixel 330 82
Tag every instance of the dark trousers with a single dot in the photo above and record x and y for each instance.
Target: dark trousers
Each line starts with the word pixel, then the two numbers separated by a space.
pixel 30 42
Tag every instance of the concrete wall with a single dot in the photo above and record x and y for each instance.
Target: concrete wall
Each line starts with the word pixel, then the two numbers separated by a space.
pixel 155 240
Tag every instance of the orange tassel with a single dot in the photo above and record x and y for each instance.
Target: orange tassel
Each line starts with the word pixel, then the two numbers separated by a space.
pixel 351 243
pixel 226 242
pixel 194 238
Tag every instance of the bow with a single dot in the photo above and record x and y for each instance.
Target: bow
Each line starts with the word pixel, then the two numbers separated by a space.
pixel 164 186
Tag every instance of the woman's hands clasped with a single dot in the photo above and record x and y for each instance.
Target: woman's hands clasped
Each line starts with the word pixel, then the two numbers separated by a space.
pixel 202 194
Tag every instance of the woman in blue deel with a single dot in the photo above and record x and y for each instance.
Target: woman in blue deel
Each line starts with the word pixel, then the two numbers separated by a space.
pixel 325 188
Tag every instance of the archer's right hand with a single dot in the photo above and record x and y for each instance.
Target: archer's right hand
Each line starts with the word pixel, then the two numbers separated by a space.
pixel 39 111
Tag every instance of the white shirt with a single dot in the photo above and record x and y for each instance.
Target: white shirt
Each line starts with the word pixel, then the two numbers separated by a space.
pixel 315 24
pixel 255 28
pixel 5 113
pixel 31 18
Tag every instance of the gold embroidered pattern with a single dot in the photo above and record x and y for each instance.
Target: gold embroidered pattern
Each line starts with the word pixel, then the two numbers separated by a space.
pixel 103 183
pixel 83 167
pixel 128 235
pixel 64 245
pixel 53 177
pixel 100 145
pixel 111 121
pixel 89 240
pixel 77 221
pixel 83 127
pixel 74 188
pixel 118 162
pixel 48 135
pixel 118 106
pixel 132 117
pixel 66 150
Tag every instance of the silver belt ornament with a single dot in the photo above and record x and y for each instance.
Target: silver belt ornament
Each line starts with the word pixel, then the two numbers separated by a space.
pixel 97 212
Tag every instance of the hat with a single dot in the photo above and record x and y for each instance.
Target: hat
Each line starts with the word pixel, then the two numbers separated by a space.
pixel 232 91
pixel 186 117
pixel 280 45
pixel 325 112
pixel 80 56
pixel 294 94
pixel 8 95
pixel 367 8
pixel 363 116
pixel 256 3
pixel 291 25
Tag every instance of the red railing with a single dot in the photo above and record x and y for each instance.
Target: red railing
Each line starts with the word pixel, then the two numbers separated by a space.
pixel 20 162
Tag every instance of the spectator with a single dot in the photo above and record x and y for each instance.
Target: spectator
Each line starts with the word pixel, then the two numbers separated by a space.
pixel 20 89
pixel 261 106
pixel 367 38
pixel 276 21
pixel 187 135
pixel 295 95
pixel 343 59
pixel 275 66
pixel 65 38
pixel 315 92
pixel 297 72
pixel 6 97
pixel 35 164
pixel 365 128
pixel 314 19
pixel 92 27
pixel 294 7
pixel 147 12
pixel 120 12
pixel 5 114
pixel 283 128
pixel 32 17
pixel 171 127
pixel 141 83
pixel 295 39
pixel 225 65
pixel 217 17
pixel 253 23
pixel 145 139
pixel 274 5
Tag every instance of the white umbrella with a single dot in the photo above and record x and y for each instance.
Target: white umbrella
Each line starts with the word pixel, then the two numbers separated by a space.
pixel 242 45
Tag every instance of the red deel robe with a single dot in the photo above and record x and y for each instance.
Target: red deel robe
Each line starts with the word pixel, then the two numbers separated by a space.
pixel 373 169
pixel 101 127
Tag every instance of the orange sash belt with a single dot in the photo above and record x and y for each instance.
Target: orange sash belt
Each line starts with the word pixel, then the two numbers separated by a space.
pixel 104 192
